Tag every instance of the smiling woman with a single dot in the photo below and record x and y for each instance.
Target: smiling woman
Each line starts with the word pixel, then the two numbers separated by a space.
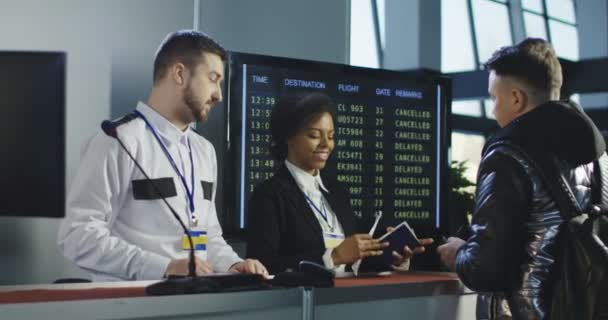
pixel 296 215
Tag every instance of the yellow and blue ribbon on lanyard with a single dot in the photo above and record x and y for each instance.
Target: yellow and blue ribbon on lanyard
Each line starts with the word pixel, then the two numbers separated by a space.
pixel 199 240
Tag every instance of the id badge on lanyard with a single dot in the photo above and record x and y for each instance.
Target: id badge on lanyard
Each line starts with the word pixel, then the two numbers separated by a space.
pixel 332 240
pixel 199 240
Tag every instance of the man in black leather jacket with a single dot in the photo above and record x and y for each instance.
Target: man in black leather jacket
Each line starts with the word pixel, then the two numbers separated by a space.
pixel 510 253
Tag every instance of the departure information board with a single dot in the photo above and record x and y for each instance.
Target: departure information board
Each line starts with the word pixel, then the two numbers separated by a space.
pixel 390 132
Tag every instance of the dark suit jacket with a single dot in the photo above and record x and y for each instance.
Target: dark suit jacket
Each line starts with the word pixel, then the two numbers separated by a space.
pixel 282 229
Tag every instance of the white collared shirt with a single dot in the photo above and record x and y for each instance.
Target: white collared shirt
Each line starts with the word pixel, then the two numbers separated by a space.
pixel 117 237
pixel 311 186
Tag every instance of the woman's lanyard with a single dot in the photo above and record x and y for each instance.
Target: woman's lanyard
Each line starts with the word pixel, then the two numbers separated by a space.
pixel 322 211
pixel 189 193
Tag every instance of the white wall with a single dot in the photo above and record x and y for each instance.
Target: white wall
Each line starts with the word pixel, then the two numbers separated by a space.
pixel 110 46
pixel 137 28
pixel 311 30
pixel 413 34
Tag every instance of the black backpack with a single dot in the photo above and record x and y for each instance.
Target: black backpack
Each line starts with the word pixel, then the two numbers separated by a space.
pixel 580 290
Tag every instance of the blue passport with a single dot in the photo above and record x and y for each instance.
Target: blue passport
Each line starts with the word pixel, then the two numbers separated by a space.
pixel 402 235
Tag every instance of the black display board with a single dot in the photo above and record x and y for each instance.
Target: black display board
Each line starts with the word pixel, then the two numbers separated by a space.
pixel 32 133
pixel 391 135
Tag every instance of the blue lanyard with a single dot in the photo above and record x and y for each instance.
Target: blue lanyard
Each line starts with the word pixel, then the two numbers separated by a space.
pixel 321 211
pixel 189 193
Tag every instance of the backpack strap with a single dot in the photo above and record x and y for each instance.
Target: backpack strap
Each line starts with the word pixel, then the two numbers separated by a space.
pixel 601 174
pixel 558 186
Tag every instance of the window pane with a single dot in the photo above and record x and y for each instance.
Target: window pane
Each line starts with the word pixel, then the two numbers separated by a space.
pixel 467 108
pixel 533 5
pixel 456 42
pixel 491 26
pixel 381 22
pixel 488 105
pixel 598 100
pixel 467 147
pixel 363 51
pixel 535 25
pixel 565 40
pixel 561 9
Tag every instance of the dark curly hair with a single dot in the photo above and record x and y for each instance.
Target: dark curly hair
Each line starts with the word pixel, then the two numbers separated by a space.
pixel 532 61
pixel 293 113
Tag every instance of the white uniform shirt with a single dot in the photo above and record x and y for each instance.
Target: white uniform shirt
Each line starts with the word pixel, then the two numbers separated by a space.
pixel 116 237
pixel 311 186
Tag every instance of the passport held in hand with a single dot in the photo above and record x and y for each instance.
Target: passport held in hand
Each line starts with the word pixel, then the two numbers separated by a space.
pixel 402 235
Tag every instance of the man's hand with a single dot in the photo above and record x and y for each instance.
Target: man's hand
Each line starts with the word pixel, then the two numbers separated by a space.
pixel 447 252
pixel 180 267
pixel 356 247
pixel 249 266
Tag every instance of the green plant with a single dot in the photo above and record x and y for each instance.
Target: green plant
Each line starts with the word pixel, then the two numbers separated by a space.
pixel 461 199
pixel 458 181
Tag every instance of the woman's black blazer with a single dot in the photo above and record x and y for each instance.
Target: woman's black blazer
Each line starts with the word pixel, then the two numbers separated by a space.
pixel 282 229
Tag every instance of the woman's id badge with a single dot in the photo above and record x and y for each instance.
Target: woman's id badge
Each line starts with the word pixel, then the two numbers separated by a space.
pixel 332 240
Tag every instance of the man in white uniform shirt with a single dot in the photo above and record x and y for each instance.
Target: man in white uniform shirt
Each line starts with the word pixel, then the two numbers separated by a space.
pixel 116 224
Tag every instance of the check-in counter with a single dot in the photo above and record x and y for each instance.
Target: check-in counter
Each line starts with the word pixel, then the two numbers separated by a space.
pixel 411 295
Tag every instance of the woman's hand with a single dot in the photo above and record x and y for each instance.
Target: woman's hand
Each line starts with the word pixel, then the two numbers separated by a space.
pixel 402 259
pixel 355 247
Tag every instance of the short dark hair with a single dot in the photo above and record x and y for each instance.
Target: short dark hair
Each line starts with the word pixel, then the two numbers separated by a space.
pixel 293 113
pixel 185 46
pixel 533 61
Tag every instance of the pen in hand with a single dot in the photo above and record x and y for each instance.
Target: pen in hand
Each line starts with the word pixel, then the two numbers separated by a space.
pixel 357 263
pixel 377 215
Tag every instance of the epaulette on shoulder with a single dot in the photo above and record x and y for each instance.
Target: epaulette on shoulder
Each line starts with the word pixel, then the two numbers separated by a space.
pixel 123 120
pixel 109 127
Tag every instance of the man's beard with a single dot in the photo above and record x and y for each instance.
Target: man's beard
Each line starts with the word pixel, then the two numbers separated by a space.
pixel 194 105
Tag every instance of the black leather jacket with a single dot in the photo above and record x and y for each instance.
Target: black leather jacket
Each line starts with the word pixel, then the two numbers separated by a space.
pixel 512 247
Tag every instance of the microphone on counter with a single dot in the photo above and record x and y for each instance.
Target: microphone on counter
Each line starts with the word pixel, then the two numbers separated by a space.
pixel 174 284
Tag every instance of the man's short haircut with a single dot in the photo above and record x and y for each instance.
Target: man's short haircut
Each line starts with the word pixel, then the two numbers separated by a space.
pixel 532 61
pixel 295 112
pixel 187 47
